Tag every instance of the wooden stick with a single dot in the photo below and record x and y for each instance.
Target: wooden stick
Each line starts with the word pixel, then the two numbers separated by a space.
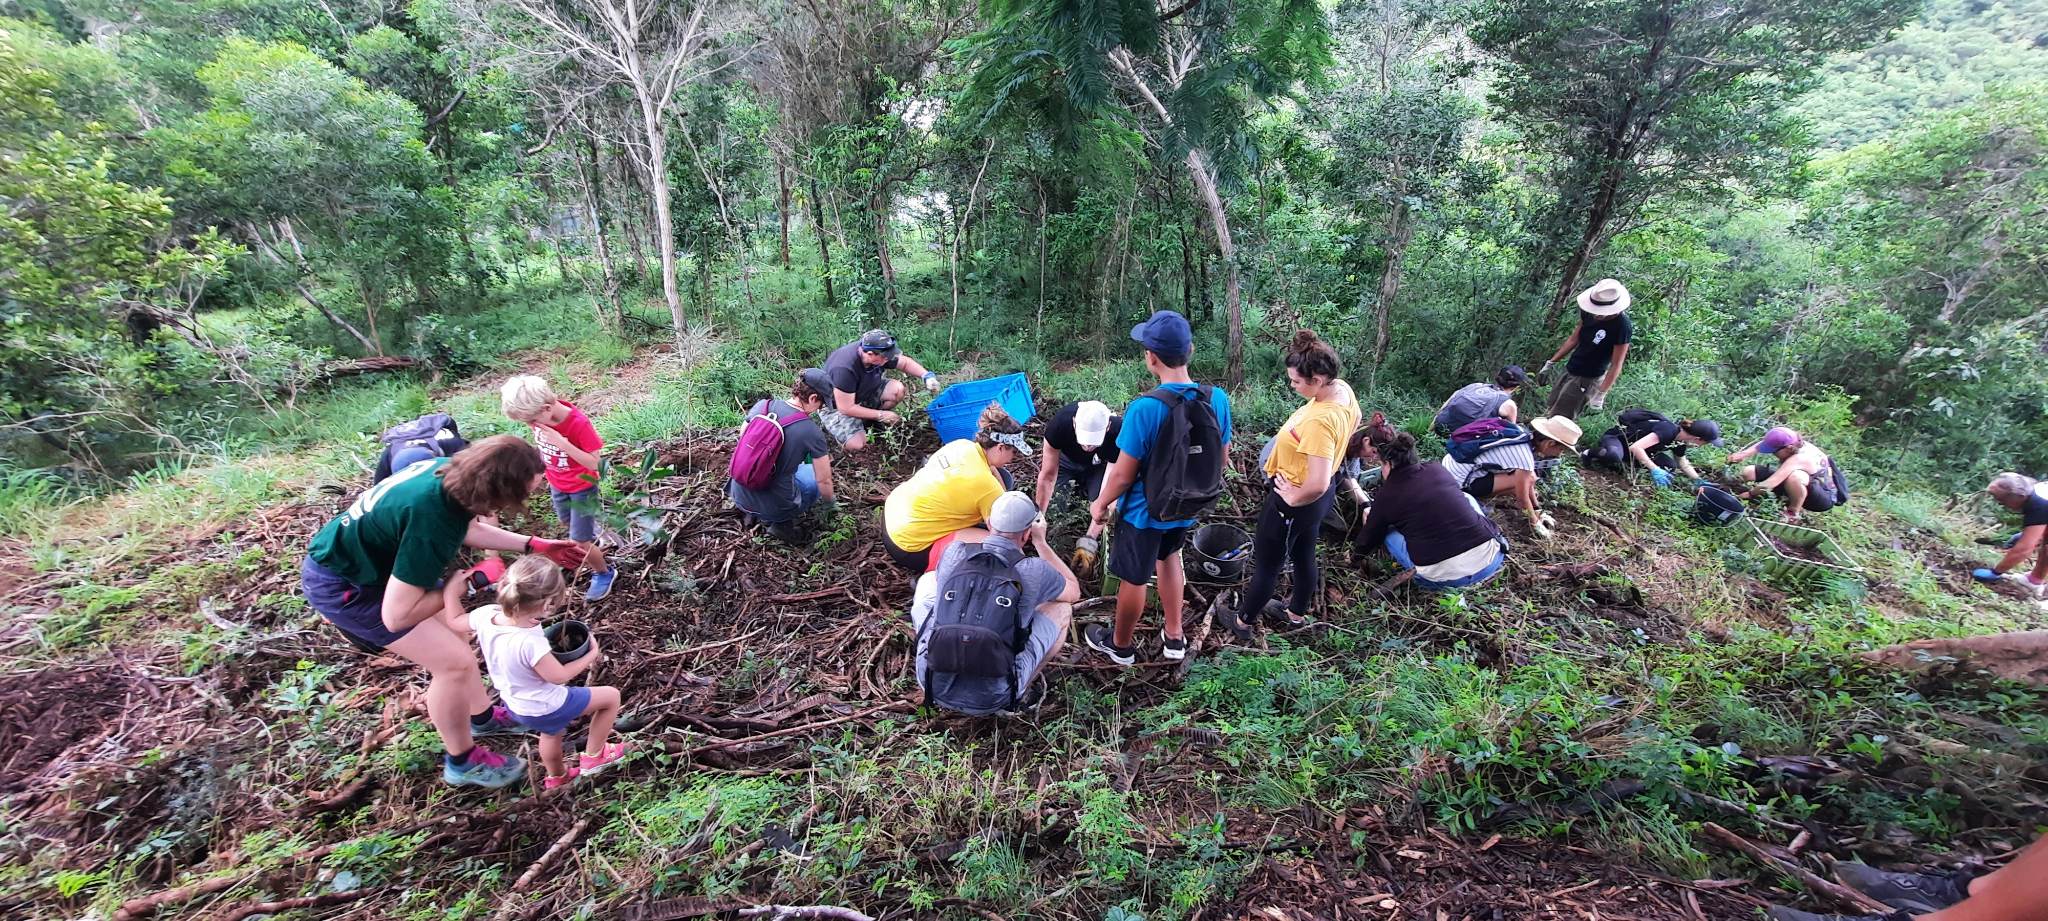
pixel 1836 892
pixel 561 845
pixel 792 912
pixel 270 908
pixel 728 743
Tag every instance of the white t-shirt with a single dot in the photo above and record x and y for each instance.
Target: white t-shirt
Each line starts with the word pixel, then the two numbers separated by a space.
pixel 511 653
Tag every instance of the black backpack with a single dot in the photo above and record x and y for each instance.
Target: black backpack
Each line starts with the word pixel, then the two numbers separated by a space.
pixel 1841 482
pixel 978 623
pixel 1183 473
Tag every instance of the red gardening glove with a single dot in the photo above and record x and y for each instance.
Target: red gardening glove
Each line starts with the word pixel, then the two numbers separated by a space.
pixel 564 552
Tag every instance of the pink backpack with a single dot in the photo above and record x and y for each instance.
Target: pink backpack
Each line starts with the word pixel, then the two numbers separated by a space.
pixel 753 460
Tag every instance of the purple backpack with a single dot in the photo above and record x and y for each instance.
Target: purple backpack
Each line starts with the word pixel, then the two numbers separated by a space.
pixel 760 447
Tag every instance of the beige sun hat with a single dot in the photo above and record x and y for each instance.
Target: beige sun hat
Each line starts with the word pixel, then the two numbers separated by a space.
pixel 1606 298
pixel 1558 428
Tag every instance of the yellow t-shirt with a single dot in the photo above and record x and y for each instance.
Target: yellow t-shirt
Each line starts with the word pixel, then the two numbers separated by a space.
pixel 1321 428
pixel 955 489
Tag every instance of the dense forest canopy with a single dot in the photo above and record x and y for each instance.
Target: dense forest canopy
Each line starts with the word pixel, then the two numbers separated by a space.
pixel 1829 210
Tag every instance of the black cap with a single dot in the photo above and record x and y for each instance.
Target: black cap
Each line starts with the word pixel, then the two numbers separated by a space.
pixel 1704 429
pixel 1511 376
pixel 816 379
pixel 876 340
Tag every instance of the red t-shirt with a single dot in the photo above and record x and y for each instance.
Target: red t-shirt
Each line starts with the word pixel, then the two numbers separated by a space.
pixel 564 473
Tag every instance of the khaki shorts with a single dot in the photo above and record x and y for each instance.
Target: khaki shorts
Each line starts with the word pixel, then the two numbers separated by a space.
pixel 1570 396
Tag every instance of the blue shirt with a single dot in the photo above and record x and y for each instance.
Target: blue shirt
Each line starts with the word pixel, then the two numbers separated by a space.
pixel 1142 420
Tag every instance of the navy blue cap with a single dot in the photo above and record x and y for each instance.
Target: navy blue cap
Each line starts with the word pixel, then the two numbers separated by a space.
pixel 1704 429
pixel 1166 334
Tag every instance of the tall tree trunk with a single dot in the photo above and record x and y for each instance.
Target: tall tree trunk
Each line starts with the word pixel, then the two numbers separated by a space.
pixel 824 246
pixel 664 219
pixel 1400 229
pixel 609 312
pixel 782 206
pixel 1226 248
pixel 879 204
pixel 633 216
pixel 959 235
pixel 1187 274
pixel 1038 331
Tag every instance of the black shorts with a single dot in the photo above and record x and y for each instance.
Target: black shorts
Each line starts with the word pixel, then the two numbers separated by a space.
pixel 1481 484
pixel 1820 488
pixel 913 561
pixel 1135 551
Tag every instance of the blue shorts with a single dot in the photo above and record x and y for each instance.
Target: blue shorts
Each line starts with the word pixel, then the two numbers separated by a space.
pixel 556 723
pixel 356 610
pixel 578 510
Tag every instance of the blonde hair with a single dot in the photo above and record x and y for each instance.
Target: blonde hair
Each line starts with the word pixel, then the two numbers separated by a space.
pixel 525 397
pixel 531 584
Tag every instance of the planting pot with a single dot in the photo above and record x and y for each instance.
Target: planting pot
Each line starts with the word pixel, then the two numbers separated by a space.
pixel 1716 507
pixel 569 639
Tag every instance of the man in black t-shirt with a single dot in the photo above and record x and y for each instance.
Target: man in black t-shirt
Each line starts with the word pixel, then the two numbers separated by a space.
pixel 861 389
pixel 2028 497
pixel 1599 348
pixel 1080 445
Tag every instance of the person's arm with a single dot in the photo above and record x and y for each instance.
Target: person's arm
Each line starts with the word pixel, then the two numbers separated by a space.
pixel 452 613
pixel 1300 494
pixel 1784 470
pixel 1114 484
pixel 555 671
pixel 822 466
pixel 2030 538
pixel 484 536
pixel 560 441
pixel 1072 592
pixel 910 367
pixel 1685 466
pixel 402 609
pixel 844 402
pixel 1614 370
pixel 1510 411
pixel 1375 530
pixel 1740 456
pixel 1640 450
pixel 1048 474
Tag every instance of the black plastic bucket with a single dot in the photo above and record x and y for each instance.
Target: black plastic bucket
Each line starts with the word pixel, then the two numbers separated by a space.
pixel 570 640
pixel 1716 506
pixel 1220 553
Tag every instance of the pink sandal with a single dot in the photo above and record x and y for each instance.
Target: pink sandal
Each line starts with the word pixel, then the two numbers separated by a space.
pixel 612 754
pixel 551 782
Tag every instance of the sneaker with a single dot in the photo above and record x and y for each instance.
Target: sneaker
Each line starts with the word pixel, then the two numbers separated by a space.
pixel 552 781
pixel 2026 582
pixel 1173 648
pixel 1918 893
pixel 1102 640
pixel 1781 913
pixel 612 755
pixel 1226 617
pixel 500 724
pixel 486 769
pixel 791 533
pixel 601 584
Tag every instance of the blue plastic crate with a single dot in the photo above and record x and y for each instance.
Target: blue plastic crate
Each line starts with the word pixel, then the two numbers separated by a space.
pixel 957 410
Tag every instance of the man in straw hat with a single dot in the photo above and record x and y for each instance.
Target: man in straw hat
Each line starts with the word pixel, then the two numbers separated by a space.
pixel 1598 346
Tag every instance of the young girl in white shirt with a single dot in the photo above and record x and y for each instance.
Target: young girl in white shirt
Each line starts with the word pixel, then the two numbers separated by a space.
pixel 533 682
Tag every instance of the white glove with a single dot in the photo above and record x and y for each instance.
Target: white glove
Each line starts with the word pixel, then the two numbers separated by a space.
pixel 1599 400
pixel 931 383
pixel 1543 525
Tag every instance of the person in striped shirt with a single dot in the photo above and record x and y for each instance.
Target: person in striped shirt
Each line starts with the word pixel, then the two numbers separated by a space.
pixel 1509 469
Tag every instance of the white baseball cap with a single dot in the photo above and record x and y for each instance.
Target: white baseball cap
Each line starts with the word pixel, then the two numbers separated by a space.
pixel 1091 423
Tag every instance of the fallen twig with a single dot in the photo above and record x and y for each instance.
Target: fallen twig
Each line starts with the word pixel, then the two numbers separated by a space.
pixel 270 908
pixel 895 705
pixel 789 912
pixel 561 845
pixel 1836 892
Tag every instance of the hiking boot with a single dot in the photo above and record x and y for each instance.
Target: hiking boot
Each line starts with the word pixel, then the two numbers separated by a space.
pixel 501 723
pixel 1100 638
pixel 486 769
pixel 1918 893
pixel 612 754
pixel 551 781
pixel 601 584
pixel 1173 648
pixel 1781 913
pixel 791 533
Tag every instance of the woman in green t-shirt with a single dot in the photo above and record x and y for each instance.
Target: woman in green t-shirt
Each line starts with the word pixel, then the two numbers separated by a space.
pixel 373 571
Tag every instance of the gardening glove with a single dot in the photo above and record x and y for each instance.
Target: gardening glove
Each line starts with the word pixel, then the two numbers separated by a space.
pixel 565 553
pixel 1984 575
pixel 826 509
pixel 1599 400
pixel 1661 476
pixel 1085 550
pixel 1542 525
pixel 931 382
pixel 1543 373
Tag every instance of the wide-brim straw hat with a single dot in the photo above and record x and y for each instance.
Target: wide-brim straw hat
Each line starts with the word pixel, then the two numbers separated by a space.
pixel 1606 298
pixel 1558 429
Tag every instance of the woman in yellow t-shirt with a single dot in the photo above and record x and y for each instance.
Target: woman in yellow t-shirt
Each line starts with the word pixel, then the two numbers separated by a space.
pixel 952 493
pixel 1301 474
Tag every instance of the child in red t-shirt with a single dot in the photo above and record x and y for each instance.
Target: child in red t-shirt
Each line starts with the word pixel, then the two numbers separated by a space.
pixel 569 448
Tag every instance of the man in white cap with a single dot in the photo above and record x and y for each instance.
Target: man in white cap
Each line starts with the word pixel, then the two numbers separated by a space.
pixel 988 618
pixel 1598 346
pixel 1080 446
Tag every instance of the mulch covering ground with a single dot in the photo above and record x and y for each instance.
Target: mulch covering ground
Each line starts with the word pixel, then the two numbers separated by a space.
pixel 700 601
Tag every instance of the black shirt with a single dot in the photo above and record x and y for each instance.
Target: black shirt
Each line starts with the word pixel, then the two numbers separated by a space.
pixel 1597 338
pixel 2035 511
pixel 1059 433
pixel 851 375
pixel 1424 503
pixel 1636 423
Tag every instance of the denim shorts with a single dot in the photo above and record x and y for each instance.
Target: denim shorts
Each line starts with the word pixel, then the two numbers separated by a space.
pixel 578 510
pixel 558 722
pixel 356 610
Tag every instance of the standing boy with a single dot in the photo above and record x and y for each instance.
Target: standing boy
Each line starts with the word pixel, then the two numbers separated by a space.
pixel 1173 448
pixel 569 449
pixel 1599 349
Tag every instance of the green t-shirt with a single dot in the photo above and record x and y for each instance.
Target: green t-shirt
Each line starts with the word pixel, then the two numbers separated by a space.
pixel 404 527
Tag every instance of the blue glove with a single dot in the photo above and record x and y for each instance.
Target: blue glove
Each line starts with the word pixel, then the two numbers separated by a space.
pixel 2014 539
pixel 1984 575
pixel 1661 476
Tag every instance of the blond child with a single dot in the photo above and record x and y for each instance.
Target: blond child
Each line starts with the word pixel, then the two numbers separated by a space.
pixel 570 449
pixel 532 681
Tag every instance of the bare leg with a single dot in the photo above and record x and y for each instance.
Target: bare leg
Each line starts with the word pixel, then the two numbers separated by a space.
pixel 1062 615
pixel 456 688
pixel 1173 592
pixel 593 558
pixel 1130 605
pixel 892 394
pixel 1795 494
pixel 2016 892
pixel 551 754
pixel 2040 573
pixel 604 711
pixel 857 442
pixel 1519 483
